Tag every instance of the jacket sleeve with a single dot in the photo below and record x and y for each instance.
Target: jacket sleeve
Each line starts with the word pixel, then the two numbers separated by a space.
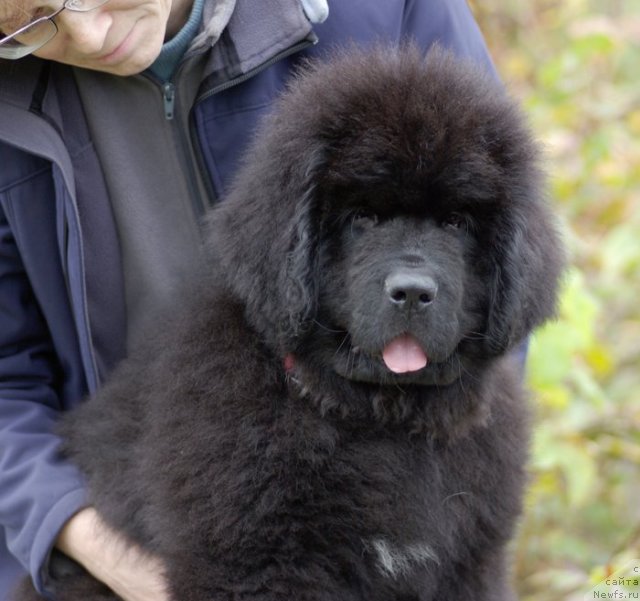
pixel 38 491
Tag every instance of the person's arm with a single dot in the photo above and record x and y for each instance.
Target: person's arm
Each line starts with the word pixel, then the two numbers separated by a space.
pixel 41 496
pixel 38 492
pixel 122 566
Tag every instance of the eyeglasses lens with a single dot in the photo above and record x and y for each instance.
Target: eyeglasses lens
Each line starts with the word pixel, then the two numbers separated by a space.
pixel 37 34
pixel 33 37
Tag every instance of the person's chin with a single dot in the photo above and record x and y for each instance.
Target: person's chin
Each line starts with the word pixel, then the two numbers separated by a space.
pixel 132 66
pixel 134 54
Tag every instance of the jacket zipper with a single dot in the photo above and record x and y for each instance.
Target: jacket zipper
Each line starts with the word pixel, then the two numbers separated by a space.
pixel 169 99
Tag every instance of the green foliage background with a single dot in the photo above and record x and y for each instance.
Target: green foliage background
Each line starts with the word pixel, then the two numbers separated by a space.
pixel 575 65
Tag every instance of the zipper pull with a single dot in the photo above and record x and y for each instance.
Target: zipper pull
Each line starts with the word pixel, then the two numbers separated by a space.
pixel 169 98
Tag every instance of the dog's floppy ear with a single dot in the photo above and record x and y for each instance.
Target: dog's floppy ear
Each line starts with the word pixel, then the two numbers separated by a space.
pixel 300 275
pixel 527 264
pixel 264 237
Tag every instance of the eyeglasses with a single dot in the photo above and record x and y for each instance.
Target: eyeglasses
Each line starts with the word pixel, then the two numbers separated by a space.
pixel 36 34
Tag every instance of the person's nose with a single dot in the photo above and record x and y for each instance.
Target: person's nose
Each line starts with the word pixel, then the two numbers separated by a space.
pixel 86 31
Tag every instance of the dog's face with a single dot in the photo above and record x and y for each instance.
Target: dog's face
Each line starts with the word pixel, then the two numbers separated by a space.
pixel 390 221
pixel 397 291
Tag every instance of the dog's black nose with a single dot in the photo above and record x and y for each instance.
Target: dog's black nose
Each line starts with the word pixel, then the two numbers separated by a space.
pixel 410 290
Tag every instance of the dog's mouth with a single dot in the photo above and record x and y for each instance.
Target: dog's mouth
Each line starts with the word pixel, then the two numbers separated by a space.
pixel 403 360
pixel 404 354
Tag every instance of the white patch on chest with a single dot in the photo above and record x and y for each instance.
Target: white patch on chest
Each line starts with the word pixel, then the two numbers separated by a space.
pixel 396 561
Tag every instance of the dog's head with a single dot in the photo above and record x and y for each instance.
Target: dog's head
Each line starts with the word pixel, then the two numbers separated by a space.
pixel 391 218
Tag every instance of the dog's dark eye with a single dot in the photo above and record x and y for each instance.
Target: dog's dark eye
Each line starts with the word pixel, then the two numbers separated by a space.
pixel 454 221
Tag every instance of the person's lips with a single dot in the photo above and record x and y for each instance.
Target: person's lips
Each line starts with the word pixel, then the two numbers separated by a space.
pixel 120 51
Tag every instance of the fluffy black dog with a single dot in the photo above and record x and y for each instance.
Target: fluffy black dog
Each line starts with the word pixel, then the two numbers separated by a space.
pixel 338 413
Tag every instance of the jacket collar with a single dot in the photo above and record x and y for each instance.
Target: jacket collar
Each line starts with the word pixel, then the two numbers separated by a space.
pixel 257 34
pixel 25 95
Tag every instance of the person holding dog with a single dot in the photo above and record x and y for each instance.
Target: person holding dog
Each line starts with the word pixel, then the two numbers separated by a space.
pixel 121 122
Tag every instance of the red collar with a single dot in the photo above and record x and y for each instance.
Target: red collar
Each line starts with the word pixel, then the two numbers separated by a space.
pixel 289 362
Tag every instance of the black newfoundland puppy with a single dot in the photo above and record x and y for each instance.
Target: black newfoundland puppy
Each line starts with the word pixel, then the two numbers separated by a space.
pixel 338 414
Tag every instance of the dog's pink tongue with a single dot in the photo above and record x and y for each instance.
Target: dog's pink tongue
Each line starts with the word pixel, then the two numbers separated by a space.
pixel 404 354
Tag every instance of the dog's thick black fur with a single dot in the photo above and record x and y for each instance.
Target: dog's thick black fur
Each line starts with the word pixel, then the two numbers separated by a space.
pixel 284 439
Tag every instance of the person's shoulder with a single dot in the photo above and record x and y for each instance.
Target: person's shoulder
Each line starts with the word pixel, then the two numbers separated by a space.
pixel 363 17
pixel 425 21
